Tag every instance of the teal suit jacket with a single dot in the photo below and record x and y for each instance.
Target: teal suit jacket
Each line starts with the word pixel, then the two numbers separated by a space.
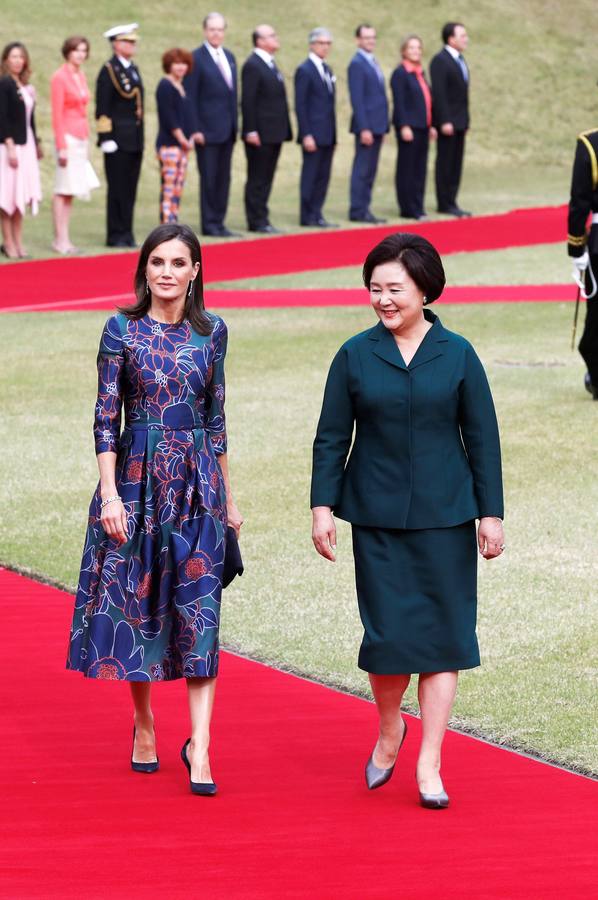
pixel 426 451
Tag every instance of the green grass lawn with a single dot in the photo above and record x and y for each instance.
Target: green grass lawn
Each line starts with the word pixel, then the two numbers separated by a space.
pixel 520 146
pixel 537 618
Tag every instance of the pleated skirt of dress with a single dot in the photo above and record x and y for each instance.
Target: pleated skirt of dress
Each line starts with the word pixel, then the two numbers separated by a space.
pixel 149 610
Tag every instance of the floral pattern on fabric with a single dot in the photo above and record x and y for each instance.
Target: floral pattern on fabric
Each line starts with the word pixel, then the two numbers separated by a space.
pixel 149 610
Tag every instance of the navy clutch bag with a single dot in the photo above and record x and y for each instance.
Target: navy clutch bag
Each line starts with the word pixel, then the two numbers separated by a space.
pixel 233 564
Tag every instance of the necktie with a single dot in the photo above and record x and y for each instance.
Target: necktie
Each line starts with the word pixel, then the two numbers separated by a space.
pixel 327 77
pixel 223 70
pixel 276 70
pixel 378 70
pixel 464 70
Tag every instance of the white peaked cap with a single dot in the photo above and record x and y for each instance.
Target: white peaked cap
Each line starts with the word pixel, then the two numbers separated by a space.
pixel 122 32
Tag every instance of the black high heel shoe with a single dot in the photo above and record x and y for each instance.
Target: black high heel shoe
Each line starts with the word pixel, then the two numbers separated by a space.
pixel 375 777
pixel 148 768
pixel 201 788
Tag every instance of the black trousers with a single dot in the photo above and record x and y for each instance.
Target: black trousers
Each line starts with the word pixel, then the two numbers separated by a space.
pixel 363 174
pixel 214 164
pixel 588 344
pixel 410 176
pixel 449 165
pixel 261 166
pixel 315 176
pixel 122 174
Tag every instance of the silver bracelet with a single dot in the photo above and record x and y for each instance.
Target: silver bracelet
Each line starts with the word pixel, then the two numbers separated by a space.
pixel 109 500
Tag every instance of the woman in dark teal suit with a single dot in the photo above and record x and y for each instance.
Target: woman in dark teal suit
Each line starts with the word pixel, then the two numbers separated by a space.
pixel 411 402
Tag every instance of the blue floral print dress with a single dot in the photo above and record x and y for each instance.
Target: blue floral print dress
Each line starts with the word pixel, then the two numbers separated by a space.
pixel 149 609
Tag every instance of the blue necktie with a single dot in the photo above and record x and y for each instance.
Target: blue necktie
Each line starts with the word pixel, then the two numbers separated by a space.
pixel 464 70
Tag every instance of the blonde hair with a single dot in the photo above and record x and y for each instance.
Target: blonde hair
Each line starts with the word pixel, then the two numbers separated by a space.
pixel 410 37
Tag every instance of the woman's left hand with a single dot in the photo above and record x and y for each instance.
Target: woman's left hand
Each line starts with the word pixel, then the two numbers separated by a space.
pixel 491 537
pixel 234 516
pixel 40 152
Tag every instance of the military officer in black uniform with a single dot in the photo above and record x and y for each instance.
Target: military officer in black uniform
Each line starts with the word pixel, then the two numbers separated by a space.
pixel 583 246
pixel 119 123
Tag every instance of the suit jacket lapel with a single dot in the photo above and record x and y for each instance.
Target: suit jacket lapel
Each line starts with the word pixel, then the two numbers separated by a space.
pixel 430 348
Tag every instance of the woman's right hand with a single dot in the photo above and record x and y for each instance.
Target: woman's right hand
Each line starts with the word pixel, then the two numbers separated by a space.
pixel 406 134
pixel 13 162
pixel 113 520
pixel 323 532
pixel 62 159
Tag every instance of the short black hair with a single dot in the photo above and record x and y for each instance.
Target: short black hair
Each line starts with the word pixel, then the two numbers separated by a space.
pixel 359 28
pixel 448 30
pixel 254 37
pixel 417 255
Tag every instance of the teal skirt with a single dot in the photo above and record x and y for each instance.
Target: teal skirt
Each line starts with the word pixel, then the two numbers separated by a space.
pixel 417 595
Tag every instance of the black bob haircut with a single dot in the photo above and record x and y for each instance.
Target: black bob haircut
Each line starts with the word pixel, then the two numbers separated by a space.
pixel 448 30
pixel 194 311
pixel 418 257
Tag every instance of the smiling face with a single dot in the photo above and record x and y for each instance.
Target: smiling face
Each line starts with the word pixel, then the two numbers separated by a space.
pixel 78 56
pixel 169 271
pixel 413 51
pixel 178 70
pixel 397 300
pixel 16 61
pixel 366 40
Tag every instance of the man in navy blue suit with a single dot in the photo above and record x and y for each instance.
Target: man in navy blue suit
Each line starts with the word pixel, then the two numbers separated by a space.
pixel 369 122
pixel 315 89
pixel 212 88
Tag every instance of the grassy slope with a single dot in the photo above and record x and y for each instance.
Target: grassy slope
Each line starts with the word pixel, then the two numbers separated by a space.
pixel 536 622
pixel 532 90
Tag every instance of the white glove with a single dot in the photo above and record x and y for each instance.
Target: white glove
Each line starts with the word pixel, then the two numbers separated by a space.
pixel 580 264
pixel 108 146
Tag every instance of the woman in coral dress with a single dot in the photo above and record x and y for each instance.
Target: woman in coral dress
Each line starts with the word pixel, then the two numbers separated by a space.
pixel 148 601
pixel 75 176
pixel 20 148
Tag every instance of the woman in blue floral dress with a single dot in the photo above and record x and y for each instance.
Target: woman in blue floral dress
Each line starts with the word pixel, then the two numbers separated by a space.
pixel 148 602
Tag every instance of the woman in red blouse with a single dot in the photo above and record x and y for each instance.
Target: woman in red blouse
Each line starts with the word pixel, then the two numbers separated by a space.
pixel 75 176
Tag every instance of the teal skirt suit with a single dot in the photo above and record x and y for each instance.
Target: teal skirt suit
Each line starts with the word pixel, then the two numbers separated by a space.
pixel 410 455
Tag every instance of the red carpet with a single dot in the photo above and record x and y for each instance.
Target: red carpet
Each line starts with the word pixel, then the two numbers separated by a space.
pixel 110 275
pixel 230 299
pixel 293 818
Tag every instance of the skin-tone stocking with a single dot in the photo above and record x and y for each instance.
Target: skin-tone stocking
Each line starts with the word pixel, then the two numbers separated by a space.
pixel 201 693
pixel 145 739
pixel 388 693
pixel 436 695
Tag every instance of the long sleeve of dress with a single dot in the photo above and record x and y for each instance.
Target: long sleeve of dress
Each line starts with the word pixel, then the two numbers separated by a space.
pixel 333 436
pixel 57 94
pixel 111 360
pixel 479 431
pixel 215 392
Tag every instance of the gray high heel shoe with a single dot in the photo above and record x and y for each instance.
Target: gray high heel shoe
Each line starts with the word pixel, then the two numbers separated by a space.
pixel 434 801
pixel 375 777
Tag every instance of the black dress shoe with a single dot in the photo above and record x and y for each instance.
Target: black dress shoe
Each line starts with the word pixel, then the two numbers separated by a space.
pixel 200 788
pixel 370 218
pixel 587 381
pixel 211 232
pixel 266 229
pixel 224 232
pixel 375 777
pixel 323 223
pixel 148 768
pixel 117 244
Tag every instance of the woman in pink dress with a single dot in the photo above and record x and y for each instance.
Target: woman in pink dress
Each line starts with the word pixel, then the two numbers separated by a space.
pixel 75 176
pixel 20 148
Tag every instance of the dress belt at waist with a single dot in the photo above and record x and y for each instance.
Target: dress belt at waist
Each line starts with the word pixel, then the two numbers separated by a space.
pixel 157 426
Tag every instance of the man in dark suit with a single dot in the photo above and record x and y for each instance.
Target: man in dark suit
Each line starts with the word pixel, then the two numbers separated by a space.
pixel 212 89
pixel 582 246
pixel 315 89
pixel 369 122
pixel 119 124
pixel 266 125
pixel 450 103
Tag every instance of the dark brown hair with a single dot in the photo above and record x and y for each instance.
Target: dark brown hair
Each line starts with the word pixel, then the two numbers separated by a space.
pixel 448 30
pixel 71 43
pixel 360 28
pixel 194 311
pixel 417 255
pixel 176 55
pixel 26 73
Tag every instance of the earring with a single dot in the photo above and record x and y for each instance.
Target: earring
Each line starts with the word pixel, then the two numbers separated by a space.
pixel 147 290
pixel 425 300
pixel 190 291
